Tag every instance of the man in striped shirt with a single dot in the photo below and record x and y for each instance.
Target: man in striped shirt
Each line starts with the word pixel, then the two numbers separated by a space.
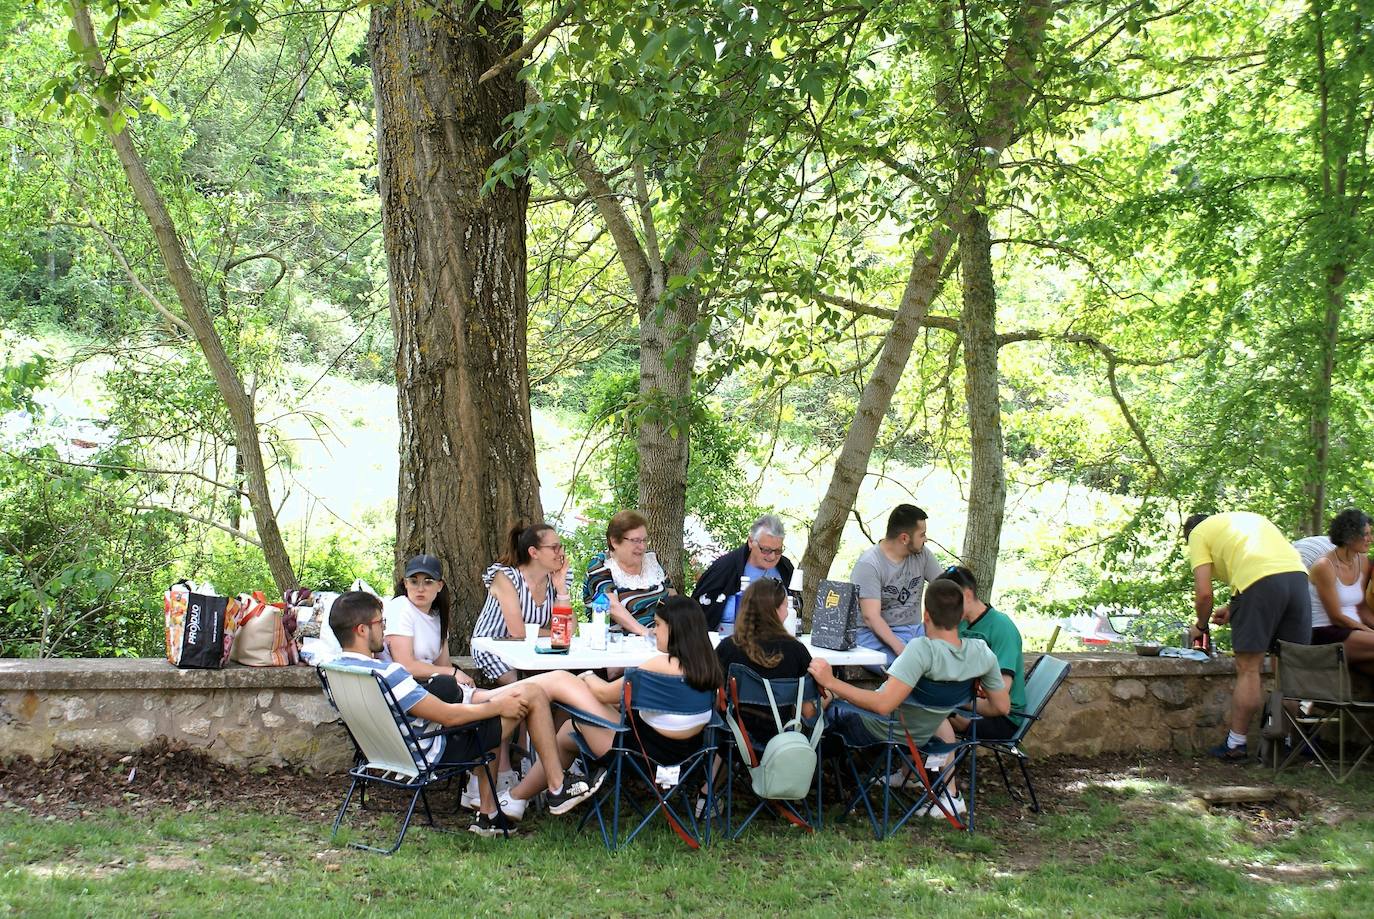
pixel 489 719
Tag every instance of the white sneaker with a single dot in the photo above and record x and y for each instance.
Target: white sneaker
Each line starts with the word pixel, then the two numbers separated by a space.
pixel 513 808
pixel 901 779
pixel 505 781
pixel 471 799
pixel 953 803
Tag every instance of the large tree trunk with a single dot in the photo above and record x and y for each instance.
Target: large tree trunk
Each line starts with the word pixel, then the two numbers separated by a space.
pixel 987 492
pixel 852 465
pixel 199 323
pixel 665 385
pixel 456 263
pixel 992 131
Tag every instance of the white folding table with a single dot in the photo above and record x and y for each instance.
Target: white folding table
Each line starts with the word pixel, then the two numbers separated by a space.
pixel 631 651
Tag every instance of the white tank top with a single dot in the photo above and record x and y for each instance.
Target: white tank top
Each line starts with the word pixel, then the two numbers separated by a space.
pixel 1347 595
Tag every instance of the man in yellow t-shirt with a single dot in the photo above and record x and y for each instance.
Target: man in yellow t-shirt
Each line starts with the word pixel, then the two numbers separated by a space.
pixel 1269 602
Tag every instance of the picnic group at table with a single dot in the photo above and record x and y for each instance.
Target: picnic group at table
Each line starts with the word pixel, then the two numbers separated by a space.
pixel 920 620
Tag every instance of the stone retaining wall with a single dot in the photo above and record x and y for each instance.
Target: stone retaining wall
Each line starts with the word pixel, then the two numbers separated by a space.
pixel 278 716
pixel 246 716
pixel 1117 703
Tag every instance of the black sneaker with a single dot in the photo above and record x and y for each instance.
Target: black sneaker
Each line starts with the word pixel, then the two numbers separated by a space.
pixel 573 794
pixel 1228 754
pixel 492 825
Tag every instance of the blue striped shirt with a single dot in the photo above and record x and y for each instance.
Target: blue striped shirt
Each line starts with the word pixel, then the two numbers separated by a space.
pixel 409 694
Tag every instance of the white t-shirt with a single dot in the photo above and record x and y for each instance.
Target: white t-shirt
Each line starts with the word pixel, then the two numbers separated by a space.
pixel 401 617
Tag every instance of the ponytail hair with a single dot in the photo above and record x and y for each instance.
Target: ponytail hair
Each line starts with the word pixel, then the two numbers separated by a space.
pixel 757 621
pixel 690 643
pixel 520 540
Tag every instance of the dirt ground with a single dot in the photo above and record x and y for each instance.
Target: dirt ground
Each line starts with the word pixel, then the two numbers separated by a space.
pixel 75 783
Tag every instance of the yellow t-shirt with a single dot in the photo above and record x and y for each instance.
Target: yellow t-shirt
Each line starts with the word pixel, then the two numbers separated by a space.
pixel 1242 548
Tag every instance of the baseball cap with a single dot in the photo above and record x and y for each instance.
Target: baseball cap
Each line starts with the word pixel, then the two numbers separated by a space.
pixel 425 564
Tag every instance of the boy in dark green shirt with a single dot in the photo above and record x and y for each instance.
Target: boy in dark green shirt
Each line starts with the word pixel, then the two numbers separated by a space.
pixel 1004 638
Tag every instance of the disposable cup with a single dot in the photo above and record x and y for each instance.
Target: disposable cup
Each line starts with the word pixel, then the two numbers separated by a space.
pixel 531 634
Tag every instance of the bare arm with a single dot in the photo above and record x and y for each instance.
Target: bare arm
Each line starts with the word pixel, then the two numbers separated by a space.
pixel 621 616
pixel 989 706
pixel 881 701
pixel 998 701
pixel 402 648
pixel 1202 599
pixel 1323 578
pixel 508 705
pixel 872 611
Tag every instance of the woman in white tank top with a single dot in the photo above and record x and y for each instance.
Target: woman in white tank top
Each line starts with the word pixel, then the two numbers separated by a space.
pixel 1340 578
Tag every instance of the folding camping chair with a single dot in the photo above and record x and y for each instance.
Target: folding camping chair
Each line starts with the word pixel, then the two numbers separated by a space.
pixel 1043 681
pixel 386 747
pixel 629 766
pixel 747 691
pixel 899 752
pixel 1319 693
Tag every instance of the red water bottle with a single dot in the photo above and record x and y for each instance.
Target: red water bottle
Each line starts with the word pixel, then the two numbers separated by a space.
pixel 562 627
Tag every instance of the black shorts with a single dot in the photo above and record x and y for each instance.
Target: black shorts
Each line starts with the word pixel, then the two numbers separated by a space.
pixel 1274 608
pixel 1330 634
pixel 664 751
pixel 997 728
pixel 471 741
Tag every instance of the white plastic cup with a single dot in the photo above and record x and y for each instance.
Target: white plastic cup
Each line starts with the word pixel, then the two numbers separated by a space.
pixel 531 634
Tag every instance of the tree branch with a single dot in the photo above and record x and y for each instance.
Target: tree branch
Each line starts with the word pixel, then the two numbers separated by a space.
pixel 519 54
pixel 172 318
pixel 232 531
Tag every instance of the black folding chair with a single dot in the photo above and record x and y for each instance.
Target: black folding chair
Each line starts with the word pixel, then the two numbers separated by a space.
pixel 1043 681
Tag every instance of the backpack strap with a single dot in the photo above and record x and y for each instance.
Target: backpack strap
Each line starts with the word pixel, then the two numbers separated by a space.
pixel 773 704
pixel 742 741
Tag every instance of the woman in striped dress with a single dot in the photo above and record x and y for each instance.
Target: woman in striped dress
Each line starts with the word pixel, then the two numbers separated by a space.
pixel 521 589
pixel 628 574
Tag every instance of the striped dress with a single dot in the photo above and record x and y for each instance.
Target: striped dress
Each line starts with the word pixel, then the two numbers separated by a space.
pixel 491 624
pixel 640 593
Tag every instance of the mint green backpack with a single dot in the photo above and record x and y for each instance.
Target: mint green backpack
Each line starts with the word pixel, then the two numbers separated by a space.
pixel 788 762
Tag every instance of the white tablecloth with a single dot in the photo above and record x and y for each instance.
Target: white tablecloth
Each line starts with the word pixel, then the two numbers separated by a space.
pixel 632 651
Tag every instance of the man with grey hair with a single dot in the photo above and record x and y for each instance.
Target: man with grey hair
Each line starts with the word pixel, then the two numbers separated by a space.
pixel 719 587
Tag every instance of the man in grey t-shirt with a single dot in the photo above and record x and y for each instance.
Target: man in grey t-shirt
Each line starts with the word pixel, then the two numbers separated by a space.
pixel 891 578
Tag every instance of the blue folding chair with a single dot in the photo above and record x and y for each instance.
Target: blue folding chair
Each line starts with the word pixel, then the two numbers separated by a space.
pixel 897 751
pixel 746 691
pixel 386 746
pixel 628 765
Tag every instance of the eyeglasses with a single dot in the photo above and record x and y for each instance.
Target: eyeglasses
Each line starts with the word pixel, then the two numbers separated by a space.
pixel 557 547
pixel 377 621
pixel 770 552
pixel 637 541
pixel 421 582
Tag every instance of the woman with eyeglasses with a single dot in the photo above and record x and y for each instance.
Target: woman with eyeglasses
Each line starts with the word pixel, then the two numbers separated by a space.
pixel 522 586
pixel 417 622
pixel 628 574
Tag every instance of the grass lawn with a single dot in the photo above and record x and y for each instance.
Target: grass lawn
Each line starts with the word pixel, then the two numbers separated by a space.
pixel 1117 839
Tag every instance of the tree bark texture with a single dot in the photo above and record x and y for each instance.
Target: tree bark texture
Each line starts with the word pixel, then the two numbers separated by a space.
pixel 199 323
pixel 992 131
pixel 987 493
pixel 923 284
pixel 456 262
pixel 665 386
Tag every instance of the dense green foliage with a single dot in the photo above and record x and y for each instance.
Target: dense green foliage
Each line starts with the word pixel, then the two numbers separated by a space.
pixel 1180 248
